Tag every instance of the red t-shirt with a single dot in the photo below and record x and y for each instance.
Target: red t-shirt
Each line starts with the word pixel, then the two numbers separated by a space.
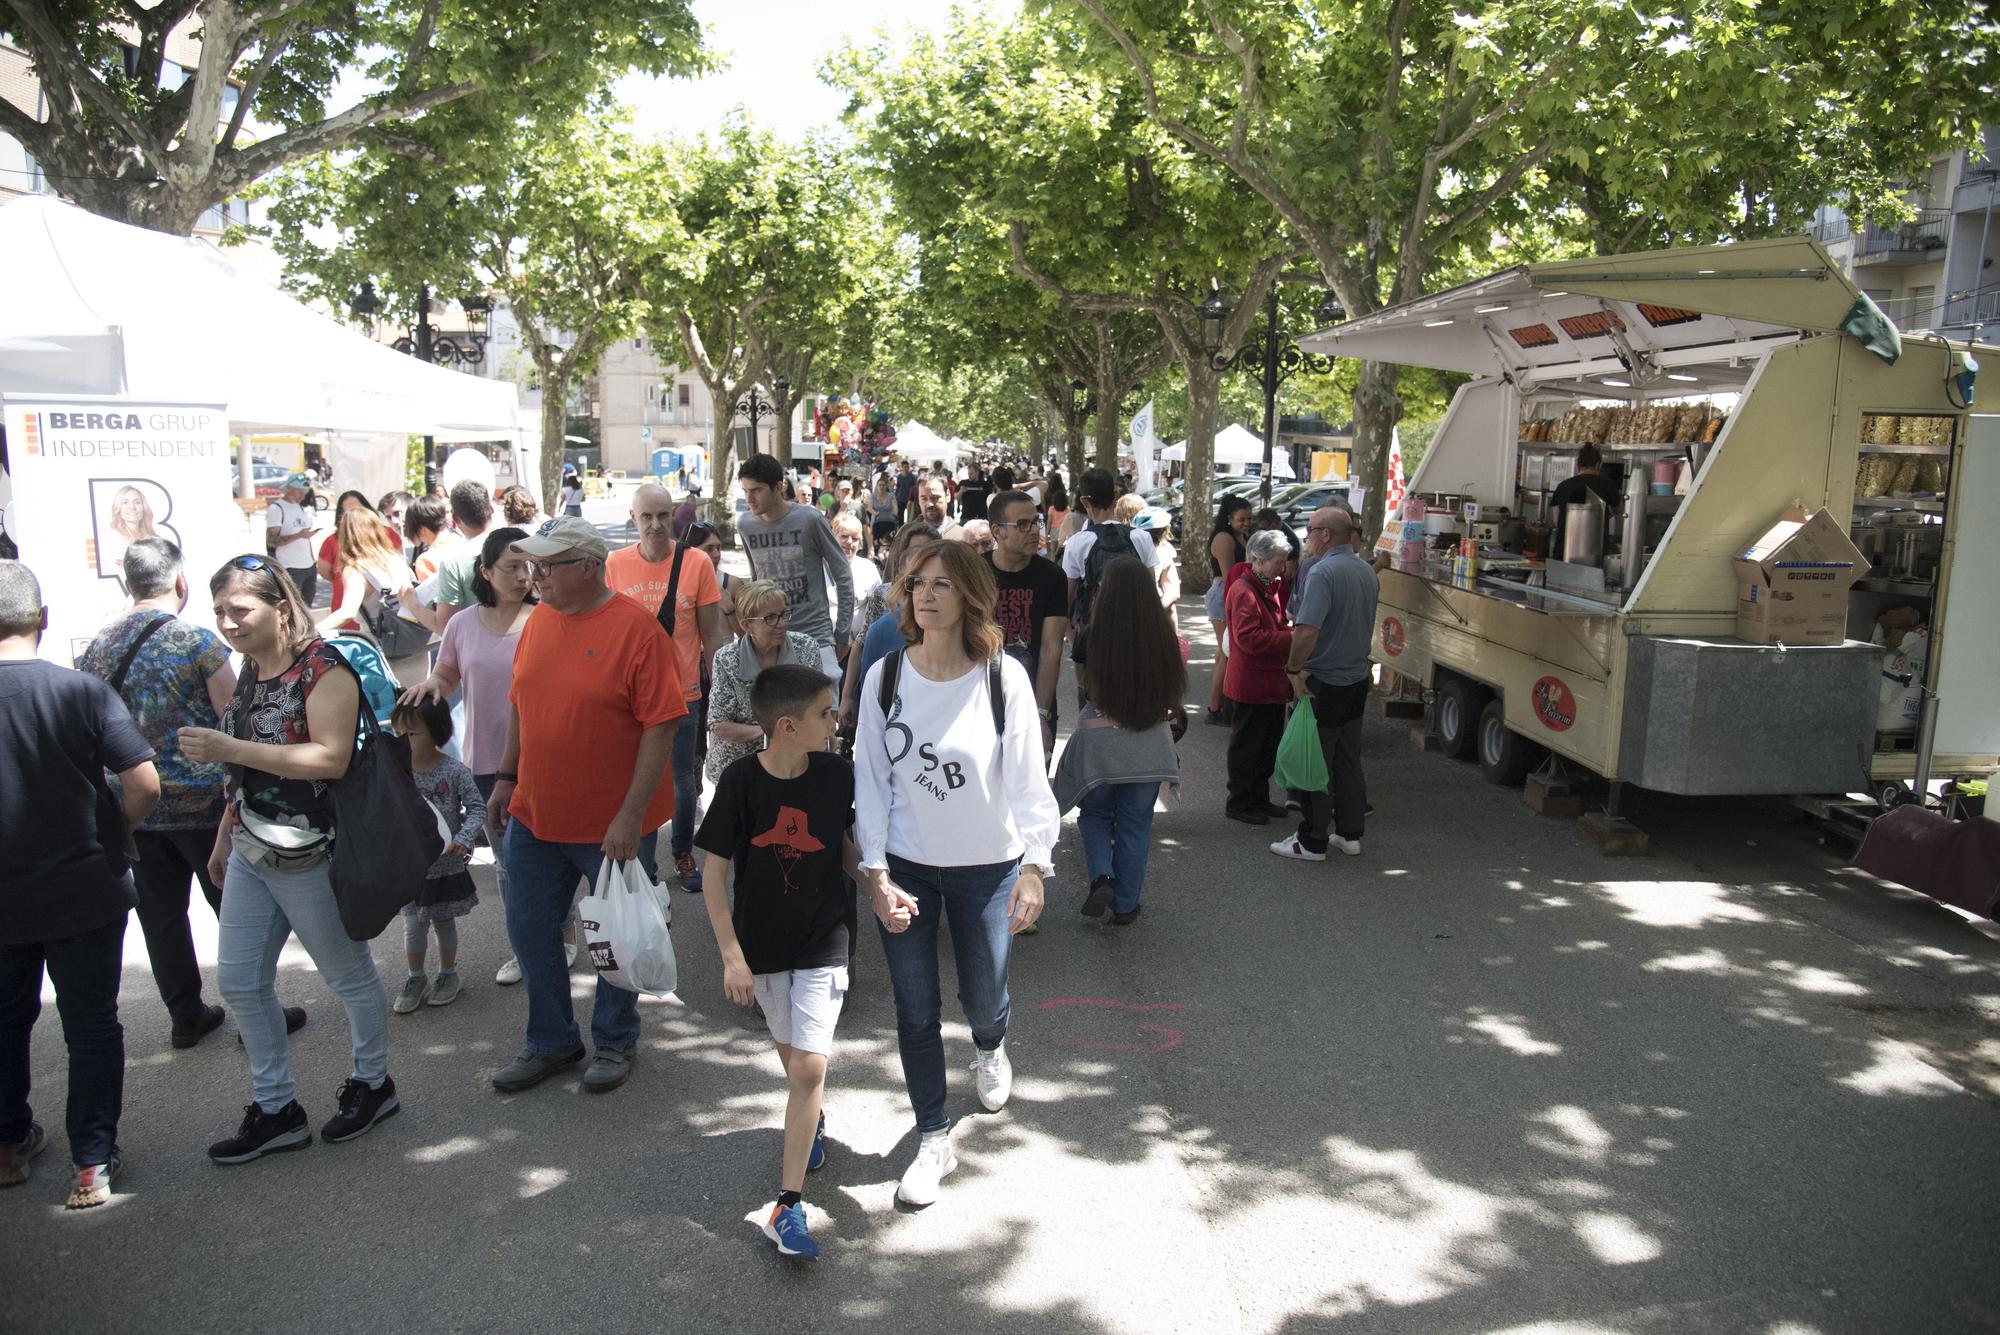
pixel 329 552
pixel 586 687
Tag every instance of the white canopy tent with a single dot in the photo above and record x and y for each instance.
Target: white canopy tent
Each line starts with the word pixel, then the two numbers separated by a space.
pixel 917 442
pixel 1235 446
pixel 102 308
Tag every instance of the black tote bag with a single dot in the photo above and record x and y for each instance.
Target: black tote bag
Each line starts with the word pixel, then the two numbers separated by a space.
pixel 385 836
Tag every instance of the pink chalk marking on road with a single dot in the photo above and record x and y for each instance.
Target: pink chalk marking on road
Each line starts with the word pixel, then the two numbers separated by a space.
pixel 1169 1038
pixel 1107 1002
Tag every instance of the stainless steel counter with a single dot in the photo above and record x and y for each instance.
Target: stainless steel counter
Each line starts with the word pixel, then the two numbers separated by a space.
pixel 1520 591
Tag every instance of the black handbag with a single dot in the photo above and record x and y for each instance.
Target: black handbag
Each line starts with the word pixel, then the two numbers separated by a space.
pixel 385 835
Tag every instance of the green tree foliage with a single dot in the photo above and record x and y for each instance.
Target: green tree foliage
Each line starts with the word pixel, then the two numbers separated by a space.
pixel 1397 138
pixel 125 131
pixel 562 224
pixel 779 251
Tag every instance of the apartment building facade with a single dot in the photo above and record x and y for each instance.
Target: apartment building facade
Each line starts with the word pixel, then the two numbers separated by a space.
pixel 1941 269
pixel 640 403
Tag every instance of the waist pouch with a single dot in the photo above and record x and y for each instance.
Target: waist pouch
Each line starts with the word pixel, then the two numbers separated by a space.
pixel 287 848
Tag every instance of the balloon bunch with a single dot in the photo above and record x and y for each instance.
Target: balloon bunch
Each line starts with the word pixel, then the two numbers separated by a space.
pixel 860 431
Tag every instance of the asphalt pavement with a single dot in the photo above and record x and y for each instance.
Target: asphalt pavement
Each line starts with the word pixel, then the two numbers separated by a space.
pixel 1478 1079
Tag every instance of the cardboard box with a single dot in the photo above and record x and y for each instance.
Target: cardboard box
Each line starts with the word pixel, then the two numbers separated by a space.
pixel 1792 584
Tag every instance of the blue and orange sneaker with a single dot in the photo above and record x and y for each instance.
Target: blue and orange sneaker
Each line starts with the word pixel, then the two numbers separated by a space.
pixel 787 1228
pixel 817 1159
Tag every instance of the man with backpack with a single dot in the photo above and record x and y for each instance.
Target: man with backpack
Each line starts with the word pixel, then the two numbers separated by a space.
pixel 1101 541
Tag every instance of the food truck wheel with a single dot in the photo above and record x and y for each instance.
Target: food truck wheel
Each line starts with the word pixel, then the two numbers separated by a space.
pixel 1505 756
pixel 1458 704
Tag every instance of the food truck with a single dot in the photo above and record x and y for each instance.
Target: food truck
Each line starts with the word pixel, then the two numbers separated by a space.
pixel 1765 434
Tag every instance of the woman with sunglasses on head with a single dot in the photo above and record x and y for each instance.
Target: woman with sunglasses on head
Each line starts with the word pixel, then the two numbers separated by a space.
pixel 733 731
pixel 287 735
pixel 955 819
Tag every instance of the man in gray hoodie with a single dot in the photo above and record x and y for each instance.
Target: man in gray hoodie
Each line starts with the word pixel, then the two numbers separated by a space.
pixel 793 546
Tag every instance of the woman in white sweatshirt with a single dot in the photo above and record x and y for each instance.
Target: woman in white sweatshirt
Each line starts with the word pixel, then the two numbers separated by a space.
pixel 955 819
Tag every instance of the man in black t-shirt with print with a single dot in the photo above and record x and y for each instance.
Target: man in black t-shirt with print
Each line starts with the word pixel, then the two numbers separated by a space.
pixel 1032 602
pixel 65 885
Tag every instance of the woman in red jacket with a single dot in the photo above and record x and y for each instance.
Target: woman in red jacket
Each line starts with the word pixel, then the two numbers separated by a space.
pixel 1254 680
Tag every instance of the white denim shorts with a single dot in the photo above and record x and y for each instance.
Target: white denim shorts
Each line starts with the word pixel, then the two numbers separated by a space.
pixel 801 1006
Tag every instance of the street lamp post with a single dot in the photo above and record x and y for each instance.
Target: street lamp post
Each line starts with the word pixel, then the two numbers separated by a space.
pixel 1278 360
pixel 425 344
pixel 753 408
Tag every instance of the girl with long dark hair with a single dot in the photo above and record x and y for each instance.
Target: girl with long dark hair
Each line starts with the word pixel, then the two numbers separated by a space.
pixel 1226 551
pixel 1123 746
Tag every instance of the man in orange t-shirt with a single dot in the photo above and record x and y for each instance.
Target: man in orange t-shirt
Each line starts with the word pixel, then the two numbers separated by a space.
pixel 645 573
pixel 596 700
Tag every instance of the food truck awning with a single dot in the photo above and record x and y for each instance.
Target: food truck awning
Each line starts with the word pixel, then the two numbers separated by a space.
pixel 1672 321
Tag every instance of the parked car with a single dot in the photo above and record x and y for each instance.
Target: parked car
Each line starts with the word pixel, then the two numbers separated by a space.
pixel 267 478
pixel 1300 502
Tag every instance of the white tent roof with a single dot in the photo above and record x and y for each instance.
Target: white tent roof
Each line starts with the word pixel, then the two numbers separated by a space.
pixel 914 440
pixel 1235 445
pixel 98 307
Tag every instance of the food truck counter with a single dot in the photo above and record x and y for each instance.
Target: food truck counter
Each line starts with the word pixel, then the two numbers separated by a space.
pixel 1520 584
pixel 1713 391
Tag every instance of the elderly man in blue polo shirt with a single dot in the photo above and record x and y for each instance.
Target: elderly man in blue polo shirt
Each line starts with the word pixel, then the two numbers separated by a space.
pixel 1329 660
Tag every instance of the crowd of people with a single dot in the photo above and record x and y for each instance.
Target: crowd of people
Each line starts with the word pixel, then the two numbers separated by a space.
pixel 877 706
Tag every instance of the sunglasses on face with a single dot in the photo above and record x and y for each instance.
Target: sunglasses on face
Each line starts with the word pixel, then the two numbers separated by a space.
pixel 772 619
pixel 1028 525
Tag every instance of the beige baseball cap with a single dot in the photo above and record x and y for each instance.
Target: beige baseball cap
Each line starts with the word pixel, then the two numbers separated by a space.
pixel 565 533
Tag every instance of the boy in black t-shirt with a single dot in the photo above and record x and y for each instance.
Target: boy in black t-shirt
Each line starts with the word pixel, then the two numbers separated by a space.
pixel 780 820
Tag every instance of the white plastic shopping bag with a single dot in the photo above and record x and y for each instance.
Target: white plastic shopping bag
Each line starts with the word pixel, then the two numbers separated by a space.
pixel 625 930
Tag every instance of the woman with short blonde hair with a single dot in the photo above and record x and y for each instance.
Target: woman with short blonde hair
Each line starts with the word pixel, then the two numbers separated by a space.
pixel 955 819
pixel 733 731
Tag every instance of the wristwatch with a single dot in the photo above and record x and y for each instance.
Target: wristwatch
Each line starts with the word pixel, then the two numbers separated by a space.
pixel 1048 715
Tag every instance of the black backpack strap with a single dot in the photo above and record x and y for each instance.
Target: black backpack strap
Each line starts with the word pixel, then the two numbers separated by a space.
pixel 892 669
pixel 116 681
pixel 996 695
pixel 670 609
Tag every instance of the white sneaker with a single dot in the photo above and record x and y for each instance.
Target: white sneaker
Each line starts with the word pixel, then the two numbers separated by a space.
pixel 934 1159
pixel 994 1076
pixel 1351 847
pixel 510 973
pixel 1290 847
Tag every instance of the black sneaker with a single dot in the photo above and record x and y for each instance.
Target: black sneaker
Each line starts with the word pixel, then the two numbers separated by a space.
pixel 360 1109
pixel 1125 919
pixel 1248 815
pixel 207 1022
pixel 264 1133
pixel 1099 898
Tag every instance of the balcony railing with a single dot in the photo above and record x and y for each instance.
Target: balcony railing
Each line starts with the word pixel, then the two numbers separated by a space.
pixel 1921 235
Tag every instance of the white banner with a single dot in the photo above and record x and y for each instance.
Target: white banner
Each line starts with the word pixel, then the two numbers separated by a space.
pixel 1145 449
pixel 91 476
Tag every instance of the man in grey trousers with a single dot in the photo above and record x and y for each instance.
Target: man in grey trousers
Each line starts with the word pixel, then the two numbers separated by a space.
pixel 793 546
pixel 1329 660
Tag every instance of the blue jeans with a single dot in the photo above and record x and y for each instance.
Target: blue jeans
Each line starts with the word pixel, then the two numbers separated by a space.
pixel 541 886
pixel 261 906
pixel 687 784
pixel 85 969
pixel 975 899
pixel 1117 824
